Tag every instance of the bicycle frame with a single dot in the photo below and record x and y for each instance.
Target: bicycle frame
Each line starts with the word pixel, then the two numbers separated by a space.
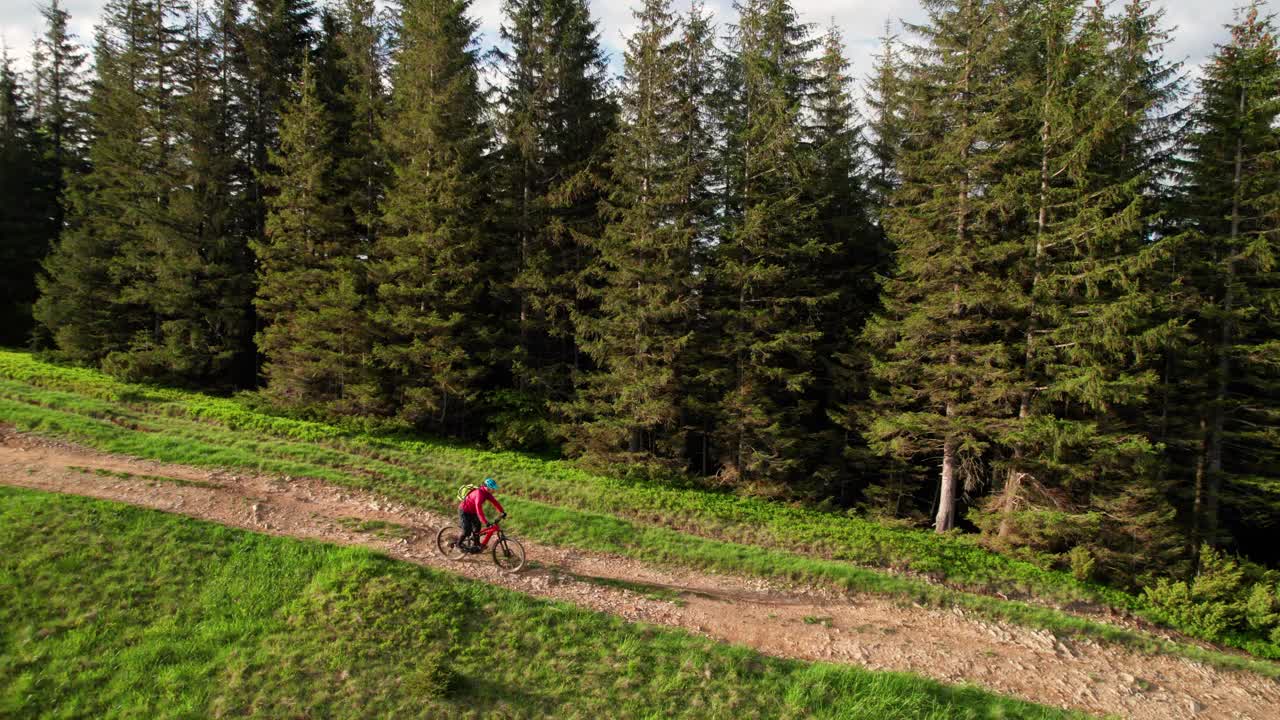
pixel 488 533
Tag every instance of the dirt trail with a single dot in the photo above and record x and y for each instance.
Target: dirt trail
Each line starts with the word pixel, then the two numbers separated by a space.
pixel 808 624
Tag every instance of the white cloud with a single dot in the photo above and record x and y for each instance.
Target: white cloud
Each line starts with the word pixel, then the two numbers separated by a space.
pixel 20 20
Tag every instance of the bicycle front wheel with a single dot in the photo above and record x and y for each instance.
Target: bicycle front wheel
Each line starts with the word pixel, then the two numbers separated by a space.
pixel 449 542
pixel 508 555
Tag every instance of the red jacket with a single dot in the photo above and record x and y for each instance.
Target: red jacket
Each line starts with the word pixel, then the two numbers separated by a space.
pixel 474 503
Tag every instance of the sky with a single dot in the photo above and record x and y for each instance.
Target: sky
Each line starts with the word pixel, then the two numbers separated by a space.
pixel 1198 23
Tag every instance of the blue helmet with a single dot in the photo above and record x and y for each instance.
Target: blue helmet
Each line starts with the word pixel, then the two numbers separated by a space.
pixel 491 483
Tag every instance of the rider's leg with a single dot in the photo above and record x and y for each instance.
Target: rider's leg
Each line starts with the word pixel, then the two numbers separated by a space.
pixel 475 533
pixel 470 527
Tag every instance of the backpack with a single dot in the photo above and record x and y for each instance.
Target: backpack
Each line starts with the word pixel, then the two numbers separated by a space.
pixel 465 490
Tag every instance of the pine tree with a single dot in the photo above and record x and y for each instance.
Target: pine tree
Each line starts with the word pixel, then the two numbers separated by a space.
pixel 80 304
pixel 696 87
pixel 149 280
pixel 767 303
pixel 694 131
pixel 228 139
pixel 58 101
pixel 1150 95
pixel 1089 322
pixel 24 214
pixel 350 64
pixel 361 172
pixel 203 280
pixel 857 254
pixel 327 66
pixel 884 133
pixel 554 117
pixel 1230 257
pixel 432 270
pixel 835 136
pixel 308 295
pixel 274 38
pixel 157 268
pixel 1150 88
pixel 942 359
pixel 885 99
pixel 641 326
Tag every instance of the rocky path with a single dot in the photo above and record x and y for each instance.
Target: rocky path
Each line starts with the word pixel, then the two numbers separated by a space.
pixel 807 624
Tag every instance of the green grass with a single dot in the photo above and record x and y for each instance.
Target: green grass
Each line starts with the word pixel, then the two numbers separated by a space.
pixel 957 561
pixel 556 502
pixel 112 611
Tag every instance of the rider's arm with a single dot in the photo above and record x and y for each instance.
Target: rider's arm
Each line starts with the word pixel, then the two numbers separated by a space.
pixel 496 504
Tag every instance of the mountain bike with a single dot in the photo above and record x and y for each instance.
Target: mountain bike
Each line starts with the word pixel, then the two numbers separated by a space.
pixel 508 553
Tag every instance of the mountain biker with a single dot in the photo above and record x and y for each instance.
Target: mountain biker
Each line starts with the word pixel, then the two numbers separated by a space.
pixel 471 514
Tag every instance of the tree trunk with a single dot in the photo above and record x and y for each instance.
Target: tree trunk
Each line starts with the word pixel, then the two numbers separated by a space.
pixel 946 518
pixel 522 379
pixel 1201 491
pixel 1009 502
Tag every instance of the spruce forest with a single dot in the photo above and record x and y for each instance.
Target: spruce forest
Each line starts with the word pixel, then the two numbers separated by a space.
pixel 1017 279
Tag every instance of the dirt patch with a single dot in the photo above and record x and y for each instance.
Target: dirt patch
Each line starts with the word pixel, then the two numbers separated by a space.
pixel 803 623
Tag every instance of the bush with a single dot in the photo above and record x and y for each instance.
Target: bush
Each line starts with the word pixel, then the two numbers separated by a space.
pixel 432 677
pixel 1082 563
pixel 1262 609
pixel 1179 604
pixel 1221 600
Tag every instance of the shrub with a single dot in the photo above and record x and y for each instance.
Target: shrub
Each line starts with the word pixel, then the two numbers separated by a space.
pixel 1082 562
pixel 1221 600
pixel 432 676
pixel 1178 603
pixel 1262 608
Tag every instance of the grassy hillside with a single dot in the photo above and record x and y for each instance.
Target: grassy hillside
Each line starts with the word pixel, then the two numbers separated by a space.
pixel 559 503
pixel 113 611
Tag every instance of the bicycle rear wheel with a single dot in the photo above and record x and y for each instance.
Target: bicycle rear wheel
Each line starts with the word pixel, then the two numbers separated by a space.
pixel 508 555
pixel 448 542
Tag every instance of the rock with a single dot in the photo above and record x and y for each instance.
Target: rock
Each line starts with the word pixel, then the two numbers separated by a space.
pixel 1194 707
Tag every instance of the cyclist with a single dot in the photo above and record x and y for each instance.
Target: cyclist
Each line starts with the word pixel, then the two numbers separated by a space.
pixel 471 514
